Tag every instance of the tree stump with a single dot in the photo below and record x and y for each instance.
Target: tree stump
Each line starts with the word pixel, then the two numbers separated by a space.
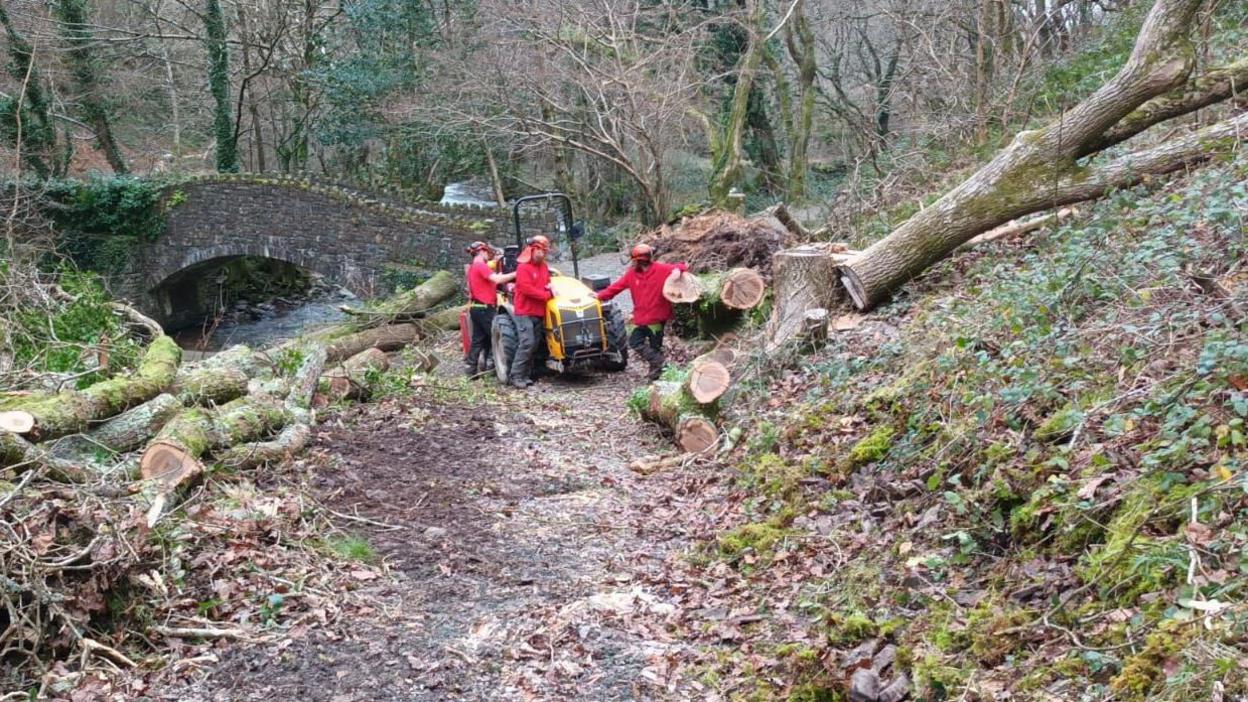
pixel 804 278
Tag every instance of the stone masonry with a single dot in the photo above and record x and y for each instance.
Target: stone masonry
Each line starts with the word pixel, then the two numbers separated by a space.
pixel 351 237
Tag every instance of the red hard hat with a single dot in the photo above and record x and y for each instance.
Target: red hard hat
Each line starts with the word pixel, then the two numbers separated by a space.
pixel 477 247
pixel 540 242
pixel 642 252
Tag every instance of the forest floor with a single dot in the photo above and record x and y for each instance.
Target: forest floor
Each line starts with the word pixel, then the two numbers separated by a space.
pixel 517 556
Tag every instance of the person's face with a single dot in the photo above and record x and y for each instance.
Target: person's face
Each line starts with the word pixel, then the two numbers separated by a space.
pixel 539 254
pixel 641 264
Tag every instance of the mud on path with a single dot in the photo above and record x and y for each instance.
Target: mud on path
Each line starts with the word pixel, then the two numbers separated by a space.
pixel 523 556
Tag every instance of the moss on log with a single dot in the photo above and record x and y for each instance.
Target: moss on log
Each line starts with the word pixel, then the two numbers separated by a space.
pixel 390 337
pixel 72 411
pixel 670 405
pixel 290 441
pixel 217 379
pixel 410 303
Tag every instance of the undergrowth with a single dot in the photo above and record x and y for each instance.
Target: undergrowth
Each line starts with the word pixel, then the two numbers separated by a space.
pixel 1037 455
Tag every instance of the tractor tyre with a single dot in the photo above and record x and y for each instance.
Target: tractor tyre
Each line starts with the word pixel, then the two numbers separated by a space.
pixel 617 339
pixel 503 341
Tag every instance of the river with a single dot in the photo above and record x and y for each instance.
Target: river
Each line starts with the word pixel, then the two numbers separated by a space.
pixel 265 323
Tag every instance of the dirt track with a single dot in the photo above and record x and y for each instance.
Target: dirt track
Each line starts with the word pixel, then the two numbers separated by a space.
pixel 520 549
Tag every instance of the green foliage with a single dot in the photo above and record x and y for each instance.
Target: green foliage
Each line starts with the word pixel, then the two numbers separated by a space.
pixel 104 220
pixel 351 548
pixel 873 446
pixel 70 340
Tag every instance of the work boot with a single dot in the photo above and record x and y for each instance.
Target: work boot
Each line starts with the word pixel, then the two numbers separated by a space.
pixel 654 359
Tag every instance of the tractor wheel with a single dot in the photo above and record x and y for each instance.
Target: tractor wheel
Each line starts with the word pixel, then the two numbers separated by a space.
pixel 503 341
pixel 617 339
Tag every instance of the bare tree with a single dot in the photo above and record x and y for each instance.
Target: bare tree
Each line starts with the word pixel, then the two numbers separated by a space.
pixel 612 80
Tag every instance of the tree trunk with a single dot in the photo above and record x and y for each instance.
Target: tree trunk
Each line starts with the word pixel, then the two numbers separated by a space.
pixel 219 85
pixel 217 379
pixel 727 148
pixel 804 278
pixel 75 26
pixel 419 299
pixel 70 412
pixel 349 380
pixel 125 432
pixel 172 459
pixel 1039 170
pixel 721 299
pixel 670 405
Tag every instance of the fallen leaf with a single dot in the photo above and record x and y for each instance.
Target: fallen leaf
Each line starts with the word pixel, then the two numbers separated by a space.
pixel 363 575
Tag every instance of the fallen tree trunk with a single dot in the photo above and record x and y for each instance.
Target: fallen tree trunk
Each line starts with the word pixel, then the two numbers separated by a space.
pixel 410 303
pixel 72 411
pixel 217 379
pixel 290 441
pixel 390 337
pixel 125 432
pixel 1040 169
pixel 670 405
pixel 349 380
pixel 804 278
pixel 442 320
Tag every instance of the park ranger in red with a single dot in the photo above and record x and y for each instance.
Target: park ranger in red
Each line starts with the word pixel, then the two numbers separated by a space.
pixel 644 280
pixel 532 293
pixel 483 284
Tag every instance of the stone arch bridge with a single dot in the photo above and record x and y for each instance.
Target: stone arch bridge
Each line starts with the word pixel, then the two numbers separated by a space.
pixel 360 240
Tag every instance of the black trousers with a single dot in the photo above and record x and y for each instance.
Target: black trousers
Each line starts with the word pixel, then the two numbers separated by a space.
pixel 647 343
pixel 481 322
pixel 529 332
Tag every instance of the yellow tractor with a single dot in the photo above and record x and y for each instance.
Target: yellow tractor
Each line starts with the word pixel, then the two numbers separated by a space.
pixel 581 333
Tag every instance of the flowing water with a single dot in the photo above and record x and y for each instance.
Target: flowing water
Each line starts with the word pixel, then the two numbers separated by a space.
pixel 267 323
pixel 468 193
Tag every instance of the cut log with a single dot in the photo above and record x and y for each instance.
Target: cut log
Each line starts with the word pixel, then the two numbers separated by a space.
pixel 682 288
pixel 708 380
pixel 442 320
pixel 125 432
pixel 173 459
pixel 303 382
pixel 671 406
pixel 71 411
pixel 290 441
pixel 216 379
pixel 390 337
pixel 805 278
pixel 723 300
pixel 349 380
pixel 17 421
pixel 410 303
pixel 742 289
pixel 16 452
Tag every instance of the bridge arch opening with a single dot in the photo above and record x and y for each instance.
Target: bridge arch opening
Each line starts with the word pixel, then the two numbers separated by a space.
pixel 243 298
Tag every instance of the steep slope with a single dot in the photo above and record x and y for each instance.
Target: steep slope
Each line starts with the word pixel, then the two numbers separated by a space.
pixel 1026 475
